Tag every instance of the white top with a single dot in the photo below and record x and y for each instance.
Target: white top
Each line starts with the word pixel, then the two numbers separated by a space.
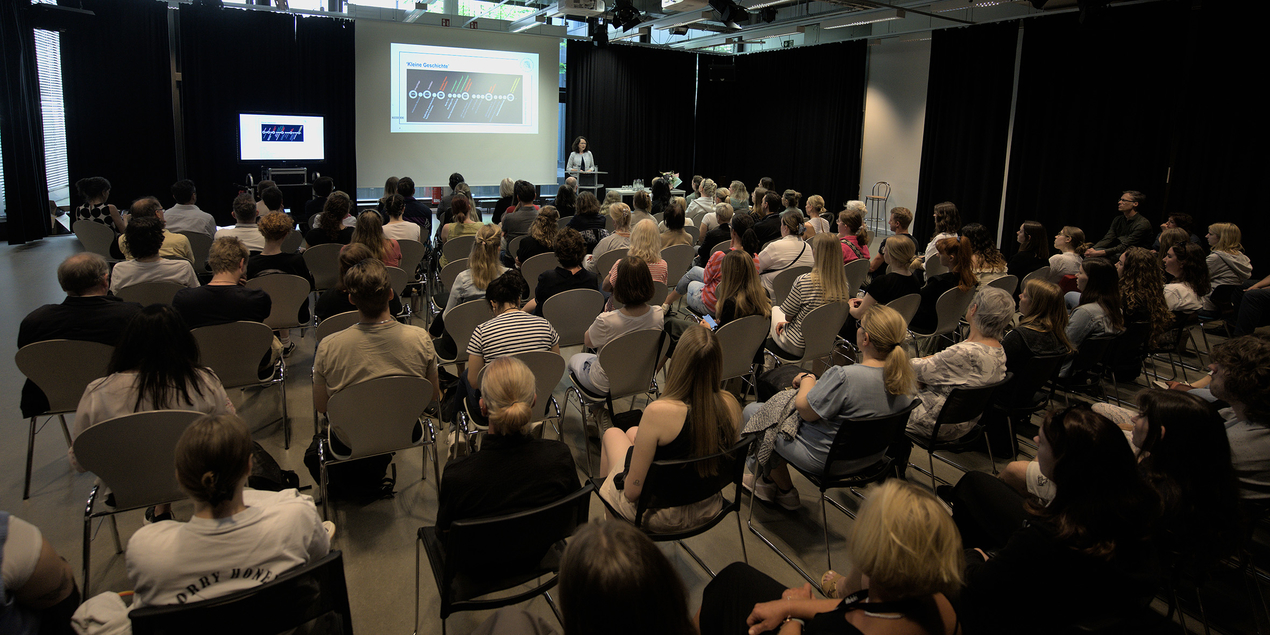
pixel 189 218
pixel 708 222
pixel 405 230
pixel 21 553
pixel 171 562
pixel 612 325
pixel 1179 296
pixel 931 250
pixel 789 250
pixel 249 234
pixel 1064 264
pixel 130 272
pixel 699 205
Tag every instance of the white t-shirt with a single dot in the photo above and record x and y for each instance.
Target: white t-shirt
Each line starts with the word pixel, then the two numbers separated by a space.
pixel 130 272
pixel 1064 264
pixel 785 253
pixel 613 324
pixel 1179 296
pixel 405 230
pixel 250 236
pixel 932 251
pixel 171 562
pixel 21 553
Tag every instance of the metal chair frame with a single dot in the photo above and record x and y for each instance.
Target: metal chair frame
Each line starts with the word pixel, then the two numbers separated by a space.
pixel 234 351
pixel 962 404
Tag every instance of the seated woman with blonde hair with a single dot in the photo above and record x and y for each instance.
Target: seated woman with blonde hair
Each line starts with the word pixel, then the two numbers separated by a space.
pixel 906 561
pixel 645 245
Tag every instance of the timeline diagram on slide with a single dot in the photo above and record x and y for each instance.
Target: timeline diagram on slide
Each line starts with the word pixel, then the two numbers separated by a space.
pixel 457 97
pixel 448 89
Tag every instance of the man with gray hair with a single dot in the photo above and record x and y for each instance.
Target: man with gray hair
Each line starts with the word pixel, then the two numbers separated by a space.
pixel 175 246
pixel 87 314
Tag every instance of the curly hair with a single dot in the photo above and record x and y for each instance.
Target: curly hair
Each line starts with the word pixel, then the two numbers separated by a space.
pixel 1142 291
pixel 984 245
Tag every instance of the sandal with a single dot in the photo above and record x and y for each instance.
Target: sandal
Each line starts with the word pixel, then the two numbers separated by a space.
pixel 829 584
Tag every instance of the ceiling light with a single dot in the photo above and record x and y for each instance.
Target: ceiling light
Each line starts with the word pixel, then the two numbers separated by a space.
pixel 894 14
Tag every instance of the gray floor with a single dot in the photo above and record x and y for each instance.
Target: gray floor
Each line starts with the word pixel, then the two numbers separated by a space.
pixel 377 539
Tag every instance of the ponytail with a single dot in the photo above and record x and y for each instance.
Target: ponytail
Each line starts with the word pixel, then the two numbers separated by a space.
pixel 898 373
pixel 212 457
pixel 886 331
pixel 508 389
pixel 512 419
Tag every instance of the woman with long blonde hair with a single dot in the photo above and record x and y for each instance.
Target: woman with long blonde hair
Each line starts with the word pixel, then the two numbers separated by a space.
pixel 897 282
pixel 620 238
pixel 542 235
pixel 369 231
pixel 739 197
pixel 742 293
pixel 824 284
pixel 693 418
pixel 1227 264
pixel 483 268
pixel 881 384
pixel 645 245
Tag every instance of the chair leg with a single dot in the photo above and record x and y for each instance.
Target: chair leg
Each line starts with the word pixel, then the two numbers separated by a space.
pixel 114 530
pixel 322 479
pixel 930 456
pixel 824 519
pixel 555 609
pixel 88 548
pixel 66 433
pixel 741 534
pixel 286 421
pixel 30 458
pixel 418 542
pixel 991 457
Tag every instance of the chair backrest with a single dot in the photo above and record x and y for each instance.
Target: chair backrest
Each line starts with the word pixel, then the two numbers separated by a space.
pixel 609 226
pixel 295 598
pixel 820 328
pixel 694 231
pixel 660 293
pixel 950 307
pixel 1006 283
pixel 463 319
pixel 535 266
pixel 233 351
pixel 379 415
pixel 906 306
pixel 572 312
pixel 515 542
pixel 147 293
pixel 1132 343
pixel 323 262
pixel 856 271
pixel 741 340
pixel 563 221
pixel 459 247
pixel 722 245
pixel 95 237
pixel 451 272
pixel 1028 378
pixel 398 279
pixel 1040 274
pixel 336 323
pixel 637 355
pixel 287 293
pixel 605 262
pixel 45 363
pixel 200 244
pixel 876 242
pixel 784 281
pixel 934 267
pixel 678 260
pixel 862 438
pixel 965 404
pixel 412 252
pixel 659 217
pixel 135 455
pixel 1090 352
pixel 513 247
pixel 548 368
pixel 676 483
pixel 292 242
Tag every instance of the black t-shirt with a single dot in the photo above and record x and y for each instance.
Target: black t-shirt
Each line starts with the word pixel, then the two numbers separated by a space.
pixel 882 251
pixel 713 237
pixel 892 286
pixel 318 236
pixel 767 229
pixel 927 318
pixel 220 304
pixel 530 247
pixel 559 280
pixel 510 473
pixel 1022 264
pixel 501 208
pixel 292 264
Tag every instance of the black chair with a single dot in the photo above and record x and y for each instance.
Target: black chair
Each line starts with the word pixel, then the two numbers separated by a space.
pixel 962 404
pixel 676 483
pixel 1021 398
pixel 315 591
pixel 1126 354
pixel 481 556
pixel 856 439
pixel 1080 377
pixel 1174 345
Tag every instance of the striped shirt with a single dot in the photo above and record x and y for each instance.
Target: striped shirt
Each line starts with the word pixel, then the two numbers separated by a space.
pixel 510 333
pixel 803 298
pixel 713 275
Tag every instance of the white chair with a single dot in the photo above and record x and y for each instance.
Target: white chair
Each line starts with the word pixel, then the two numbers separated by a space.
pixel 323 262
pixel 1040 274
pixel 906 306
pixel 741 340
pixel 1006 283
pixel 234 352
pixel 605 262
pixel 572 312
pixel 548 368
pixel 133 456
pixel 61 369
pixel 447 277
pixel 376 417
pixel 856 271
pixel 287 293
pixel 96 238
pixel 147 293
pixel 820 331
pixel 336 323
pixel 397 279
pixel 784 281
pixel 458 248
pixel 412 253
pixel 513 247
pixel 460 322
pixel 934 267
pixel 695 232
pixel 200 244
pixel 678 260
pixel 950 307
pixel 563 221
pixel 292 242
pixel 536 266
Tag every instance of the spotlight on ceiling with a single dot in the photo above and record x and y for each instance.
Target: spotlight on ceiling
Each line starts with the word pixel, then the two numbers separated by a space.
pixel 625 14
pixel 730 12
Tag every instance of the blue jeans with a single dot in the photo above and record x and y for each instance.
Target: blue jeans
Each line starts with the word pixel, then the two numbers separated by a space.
pixel 690 287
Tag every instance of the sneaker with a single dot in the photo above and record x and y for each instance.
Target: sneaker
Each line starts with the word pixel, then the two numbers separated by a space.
pixel 288 349
pixel 768 492
pixel 330 529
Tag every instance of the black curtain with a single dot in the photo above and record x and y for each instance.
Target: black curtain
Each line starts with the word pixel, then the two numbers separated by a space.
pixel 967 123
pixel 237 61
pixel 1096 103
pixel 21 126
pixel 795 115
pixel 635 107
pixel 118 95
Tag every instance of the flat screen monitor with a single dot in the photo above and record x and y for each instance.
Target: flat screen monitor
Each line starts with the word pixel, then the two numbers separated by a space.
pixel 281 138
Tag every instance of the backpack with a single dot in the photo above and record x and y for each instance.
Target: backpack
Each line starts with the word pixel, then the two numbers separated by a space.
pixel 363 480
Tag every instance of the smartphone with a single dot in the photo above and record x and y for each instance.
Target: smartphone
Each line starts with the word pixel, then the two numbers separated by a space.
pixel 711 321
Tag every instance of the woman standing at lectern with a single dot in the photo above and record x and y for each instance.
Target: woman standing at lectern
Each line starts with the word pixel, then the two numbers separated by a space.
pixel 580 158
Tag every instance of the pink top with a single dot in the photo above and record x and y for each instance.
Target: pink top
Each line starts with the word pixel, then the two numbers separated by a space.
pixel 658 269
pixel 848 254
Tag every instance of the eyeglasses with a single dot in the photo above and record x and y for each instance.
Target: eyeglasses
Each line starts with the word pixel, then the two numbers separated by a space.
pixel 1126 200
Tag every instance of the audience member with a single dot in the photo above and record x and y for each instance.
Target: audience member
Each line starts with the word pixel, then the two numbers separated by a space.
pixel 814 207
pixel 397 228
pixel 509 332
pixel 660 194
pixel 444 216
pixel 1190 278
pixel 335 300
pixel 224 299
pixel 906 562
pixel 853 235
pixel 274 228
pixel 692 419
pixel 145 238
pixel 175 246
pixel 900 219
pixel 1130 229
pixel 369 231
pixel 789 251
pixel 377 346
pixel 462 225
pixel 87 314
pixel 1142 295
pixel 1168 239
pixel 232 529
pixel 824 284
pixel 697 179
pixel 769 222
pixel 322 188
pixel 633 288
pixel 390 190
pixel 588 222
pixel 739 286
pixel 1253 310
pixel 701 202
pixel 262 207
pixel 897 283
pixel 947 225
pixel 720 231
pixel 1227 264
pixel 739 197
pixel 957 257
pixel 568 275
pixel 674 233
pixel 1241 378
pixel 989 264
pixel 415 210
pixel 513 471
pixel 699 284
pixel 641 203
pixel 516 222
pixel 1177 220
pixel 38 594
pixel 1098 308
pixel 645 245
pixel 1042 329
pixel 506 200
pixel 95 190
pixel 330 226
pixel 1034 250
pixel 881 384
pixel 185 216
pixel 1070 243
pixel 541 238
pixel 566 201
pixel 610 197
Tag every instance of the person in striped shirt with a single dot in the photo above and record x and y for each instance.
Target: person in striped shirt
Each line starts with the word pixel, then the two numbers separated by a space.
pixel 509 332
